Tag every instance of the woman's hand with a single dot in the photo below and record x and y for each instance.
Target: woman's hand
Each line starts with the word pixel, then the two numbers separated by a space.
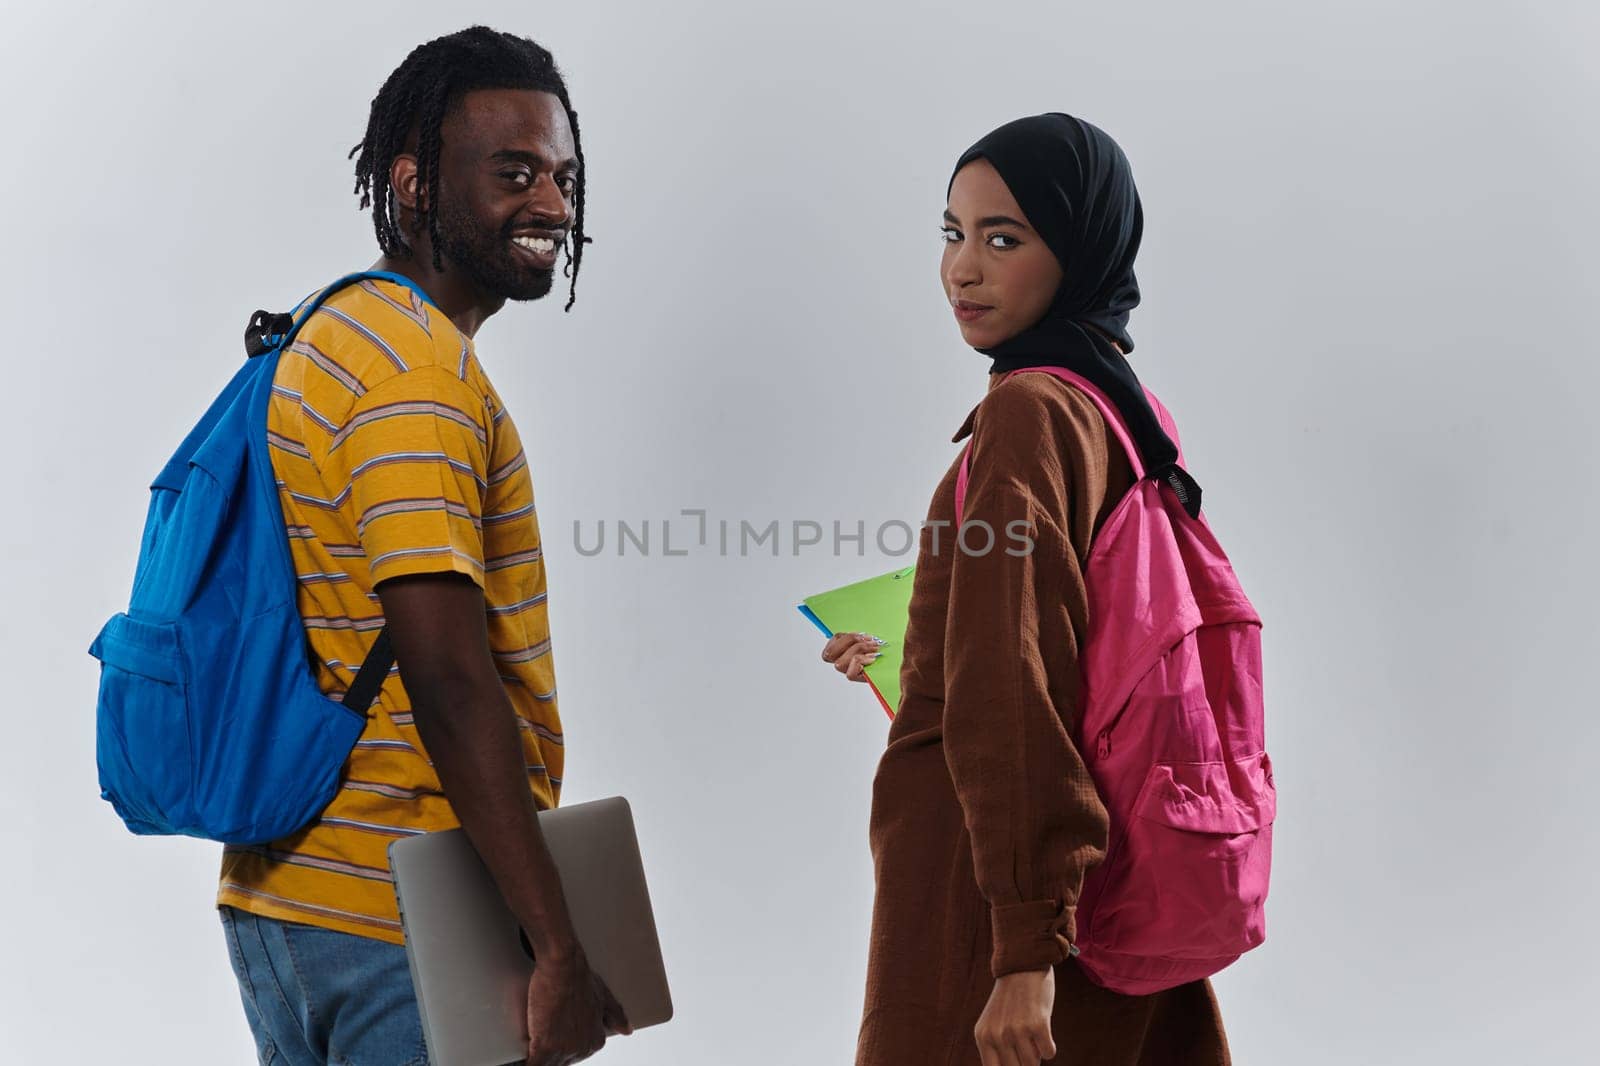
pixel 851 652
pixel 1014 1028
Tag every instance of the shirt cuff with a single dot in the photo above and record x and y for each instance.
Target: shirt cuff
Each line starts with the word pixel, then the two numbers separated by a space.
pixel 1031 936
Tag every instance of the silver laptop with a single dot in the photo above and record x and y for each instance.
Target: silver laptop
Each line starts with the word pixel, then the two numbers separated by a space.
pixel 469 961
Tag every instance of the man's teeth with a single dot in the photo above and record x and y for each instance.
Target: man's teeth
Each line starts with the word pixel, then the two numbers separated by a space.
pixel 542 245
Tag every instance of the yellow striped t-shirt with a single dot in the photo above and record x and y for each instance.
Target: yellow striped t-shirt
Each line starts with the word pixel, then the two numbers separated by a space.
pixel 394 456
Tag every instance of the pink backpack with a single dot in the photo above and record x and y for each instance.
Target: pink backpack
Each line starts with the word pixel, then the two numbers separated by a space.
pixel 1172 733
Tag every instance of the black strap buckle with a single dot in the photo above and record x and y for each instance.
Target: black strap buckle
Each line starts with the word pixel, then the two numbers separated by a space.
pixel 264 331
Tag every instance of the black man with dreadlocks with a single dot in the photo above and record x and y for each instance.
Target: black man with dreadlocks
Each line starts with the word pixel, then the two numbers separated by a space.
pixel 409 509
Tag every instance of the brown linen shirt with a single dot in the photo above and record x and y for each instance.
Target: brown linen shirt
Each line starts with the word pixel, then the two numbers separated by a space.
pixel 984 816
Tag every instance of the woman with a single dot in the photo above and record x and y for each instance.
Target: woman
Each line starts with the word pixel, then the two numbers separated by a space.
pixel 984 817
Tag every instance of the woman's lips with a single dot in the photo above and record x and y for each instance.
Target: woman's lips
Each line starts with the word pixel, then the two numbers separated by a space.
pixel 967 311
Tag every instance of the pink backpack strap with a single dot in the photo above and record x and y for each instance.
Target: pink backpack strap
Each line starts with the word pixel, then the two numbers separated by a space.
pixel 961 481
pixel 1167 423
pixel 1108 411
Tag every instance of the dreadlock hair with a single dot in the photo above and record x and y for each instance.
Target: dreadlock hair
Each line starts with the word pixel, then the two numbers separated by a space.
pixel 419 94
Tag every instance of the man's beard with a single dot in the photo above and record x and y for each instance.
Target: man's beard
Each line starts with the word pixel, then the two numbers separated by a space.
pixel 487 258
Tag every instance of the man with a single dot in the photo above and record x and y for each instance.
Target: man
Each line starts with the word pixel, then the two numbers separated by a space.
pixel 409 505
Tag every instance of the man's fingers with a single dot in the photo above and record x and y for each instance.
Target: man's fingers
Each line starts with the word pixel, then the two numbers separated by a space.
pixel 614 1017
pixel 1044 1044
pixel 539 1055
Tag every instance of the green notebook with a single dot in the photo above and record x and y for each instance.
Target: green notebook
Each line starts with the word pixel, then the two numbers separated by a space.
pixel 878 606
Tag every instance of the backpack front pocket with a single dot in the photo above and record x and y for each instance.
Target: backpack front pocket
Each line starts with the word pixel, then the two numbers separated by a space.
pixel 142 735
pixel 1191 869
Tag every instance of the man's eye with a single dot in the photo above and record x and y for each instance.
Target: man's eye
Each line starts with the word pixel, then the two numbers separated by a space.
pixel 519 176
pixel 567 183
pixel 949 236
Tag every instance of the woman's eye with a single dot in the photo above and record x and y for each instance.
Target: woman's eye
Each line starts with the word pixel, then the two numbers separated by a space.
pixel 1013 242
pixel 949 236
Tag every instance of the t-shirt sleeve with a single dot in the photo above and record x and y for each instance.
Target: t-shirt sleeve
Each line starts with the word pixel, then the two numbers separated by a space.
pixel 413 456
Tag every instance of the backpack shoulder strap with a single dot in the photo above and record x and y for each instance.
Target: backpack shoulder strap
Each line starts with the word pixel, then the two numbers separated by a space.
pixel 1174 473
pixel 369 679
pixel 267 332
pixel 961 481
pixel 1108 411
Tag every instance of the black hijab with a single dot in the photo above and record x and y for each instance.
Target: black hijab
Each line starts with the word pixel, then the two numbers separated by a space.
pixel 1076 188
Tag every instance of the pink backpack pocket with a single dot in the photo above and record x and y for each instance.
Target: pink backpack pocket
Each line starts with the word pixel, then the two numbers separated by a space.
pixel 1184 885
pixel 1172 730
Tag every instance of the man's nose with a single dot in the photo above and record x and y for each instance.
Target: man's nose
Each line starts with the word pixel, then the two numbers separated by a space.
pixel 547 200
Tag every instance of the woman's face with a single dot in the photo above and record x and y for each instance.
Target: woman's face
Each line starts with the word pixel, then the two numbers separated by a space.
pixel 998 273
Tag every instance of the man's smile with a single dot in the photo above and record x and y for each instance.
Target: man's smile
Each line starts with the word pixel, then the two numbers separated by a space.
pixel 540 249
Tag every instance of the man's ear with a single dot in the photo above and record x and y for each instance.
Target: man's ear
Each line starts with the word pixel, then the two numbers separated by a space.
pixel 408 191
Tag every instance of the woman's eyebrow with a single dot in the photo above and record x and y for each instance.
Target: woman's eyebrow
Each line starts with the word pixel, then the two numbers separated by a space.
pixel 989 220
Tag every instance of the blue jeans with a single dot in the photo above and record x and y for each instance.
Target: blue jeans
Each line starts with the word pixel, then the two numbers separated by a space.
pixel 316 997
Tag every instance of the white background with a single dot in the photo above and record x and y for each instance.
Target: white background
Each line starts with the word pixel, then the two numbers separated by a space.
pixel 1367 278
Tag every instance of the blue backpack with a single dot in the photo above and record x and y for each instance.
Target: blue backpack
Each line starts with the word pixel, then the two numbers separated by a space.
pixel 210 722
